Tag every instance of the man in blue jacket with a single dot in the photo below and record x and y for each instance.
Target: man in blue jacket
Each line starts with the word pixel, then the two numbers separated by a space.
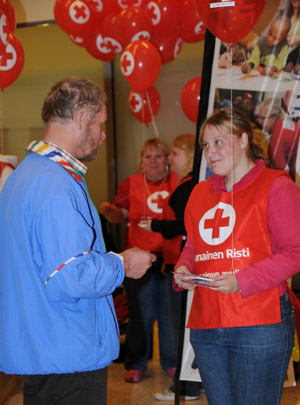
pixel 58 327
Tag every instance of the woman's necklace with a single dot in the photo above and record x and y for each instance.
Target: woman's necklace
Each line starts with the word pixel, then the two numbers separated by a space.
pixel 153 181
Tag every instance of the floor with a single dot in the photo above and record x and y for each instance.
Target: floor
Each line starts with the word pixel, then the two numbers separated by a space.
pixel 122 393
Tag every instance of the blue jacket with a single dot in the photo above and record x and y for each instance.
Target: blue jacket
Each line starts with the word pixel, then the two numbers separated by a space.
pixel 65 323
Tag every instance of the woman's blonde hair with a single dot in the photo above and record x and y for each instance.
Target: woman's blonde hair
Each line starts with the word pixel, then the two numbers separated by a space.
pixel 235 122
pixel 186 142
pixel 153 143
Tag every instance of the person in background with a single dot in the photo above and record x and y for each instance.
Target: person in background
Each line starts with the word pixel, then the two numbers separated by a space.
pixel 142 196
pixel 270 52
pixel 282 133
pixel 181 161
pixel 243 244
pixel 293 12
pixel 57 322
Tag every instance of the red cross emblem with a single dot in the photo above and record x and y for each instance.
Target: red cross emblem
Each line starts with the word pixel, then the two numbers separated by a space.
pixel 98 5
pixel 156 201
pixel 113 44
pixel 127 63
pixel 216 223
pixel 145 35
pixel 4 29
pixel 199 28
pixel 101 45
pixel 79 12
pixel 154 12
pixel 8 58
pixel 135 102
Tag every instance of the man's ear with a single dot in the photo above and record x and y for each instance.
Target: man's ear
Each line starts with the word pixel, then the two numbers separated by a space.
pixel 80 117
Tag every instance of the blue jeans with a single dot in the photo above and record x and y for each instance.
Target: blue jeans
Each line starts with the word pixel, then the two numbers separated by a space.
pixel 245 365
pixel 151 304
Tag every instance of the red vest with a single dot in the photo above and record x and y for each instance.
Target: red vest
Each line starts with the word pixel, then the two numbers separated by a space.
pixel 230 230
pixel 144 204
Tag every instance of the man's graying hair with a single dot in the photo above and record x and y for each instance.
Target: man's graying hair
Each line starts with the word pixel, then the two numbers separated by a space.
pixel 69 95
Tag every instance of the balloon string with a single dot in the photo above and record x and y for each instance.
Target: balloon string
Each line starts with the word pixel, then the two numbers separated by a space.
pixel 152 116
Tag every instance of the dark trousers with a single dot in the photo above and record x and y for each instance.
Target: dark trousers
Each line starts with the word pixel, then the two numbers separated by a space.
pixel 66 389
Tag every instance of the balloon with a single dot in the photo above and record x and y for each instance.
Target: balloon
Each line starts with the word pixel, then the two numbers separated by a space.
pixel 230 21
pixel 11 61
pixel 75 17
pixel 96 47
pixel 190 97
pixel 140 64
pixel 108 29
pixel 133 23
pixel 4 30
pixel 191 26
pixel 144 104
pixel 103 7
pixel 169 45
pixel 9 11
pixel 164 14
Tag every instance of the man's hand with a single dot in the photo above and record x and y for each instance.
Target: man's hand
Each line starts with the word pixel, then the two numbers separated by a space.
pixel 136 262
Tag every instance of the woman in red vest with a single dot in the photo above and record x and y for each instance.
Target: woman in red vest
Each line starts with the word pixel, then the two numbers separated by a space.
pixel 173 230
pixel 243 244
pixel 138 197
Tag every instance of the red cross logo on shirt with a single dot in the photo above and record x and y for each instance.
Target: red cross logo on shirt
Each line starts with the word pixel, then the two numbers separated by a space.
pixel 155 201
pixel 217 224
pixel 127 63
pixel 79 12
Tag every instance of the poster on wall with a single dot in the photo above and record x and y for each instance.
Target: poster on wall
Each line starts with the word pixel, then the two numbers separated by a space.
pixel 266 86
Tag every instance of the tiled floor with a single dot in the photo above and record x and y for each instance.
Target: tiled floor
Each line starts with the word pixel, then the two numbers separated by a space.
pixel 122 393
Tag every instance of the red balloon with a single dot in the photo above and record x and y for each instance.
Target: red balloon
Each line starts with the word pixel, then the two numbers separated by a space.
pixel 228 20
pixel 108 29
pixel 164 14
pixel 96 47
pixel 190 97
pixel 191 26
pixel 169 45
pixel 104 7
pixel 140 64
pixel 75 17
pixel 4 30
pixel 133 23
pixel 11 61
pixel 144 104
pixel 9 11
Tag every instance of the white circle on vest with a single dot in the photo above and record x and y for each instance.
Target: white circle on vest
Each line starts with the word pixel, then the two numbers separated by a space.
pixel 217 224
pixel 155 201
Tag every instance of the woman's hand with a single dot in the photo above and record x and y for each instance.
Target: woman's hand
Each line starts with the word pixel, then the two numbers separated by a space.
pixel 146 224
pixel 227 284
pixel 183 277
